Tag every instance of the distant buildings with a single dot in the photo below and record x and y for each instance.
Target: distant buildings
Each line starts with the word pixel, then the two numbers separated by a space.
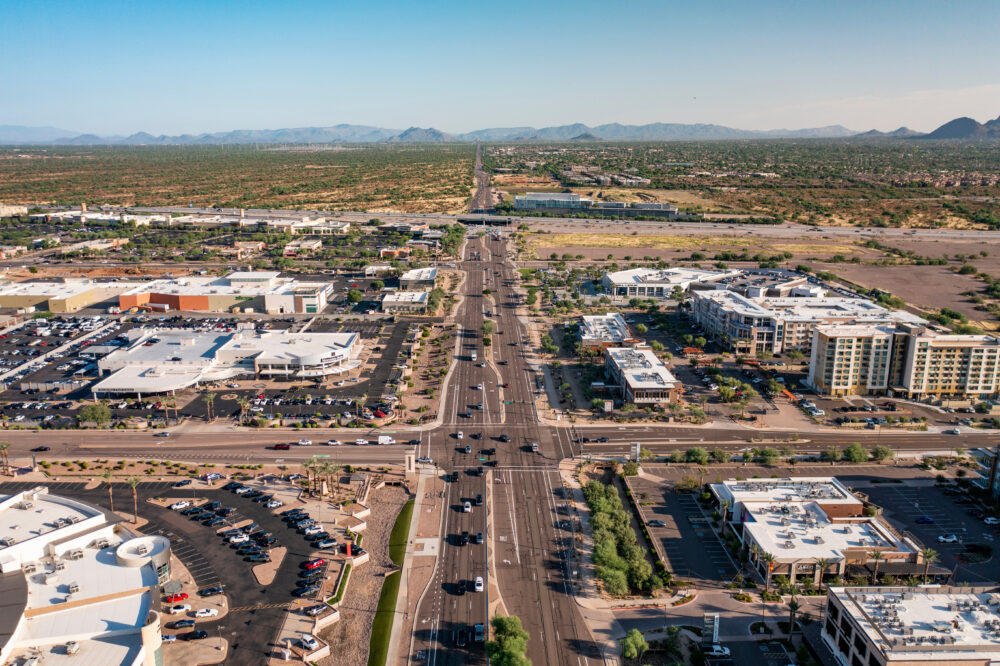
pixel 907 626
pixel 808 522
pixel 418 279
pixel 409 302
pixel 8 210
pixel 903 360
pixel 603 331
pixel 640 377
pixel 168 360
pixel 310 226
pixel 58 297
pixel 262 291
pixel 565 202
pixel 298 248
pixel 374 270
pixel 656 283
pixel 394 252
pixel 550 200
pixel 76 587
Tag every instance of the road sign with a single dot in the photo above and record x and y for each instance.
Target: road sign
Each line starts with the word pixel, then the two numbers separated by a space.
pixel 710 629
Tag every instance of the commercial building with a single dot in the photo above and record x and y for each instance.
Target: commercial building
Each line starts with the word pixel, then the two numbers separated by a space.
pixel 9 210
pixel 640 377
pixel 249 291
pixel 96 245
pixel 168 360
pixel 312 226
pixel 904 360
pixel 813 527
pixel 11 251
pixel 303 246
pixel 76 587
pixel 375 270
pixel 411 302
pixel 656 283
pixel 59 297
pixel 564 202
pixel 777 324
pixel 550 200
pixel 603 331
pixel 394 252
pixel 418 279
pixel 885 626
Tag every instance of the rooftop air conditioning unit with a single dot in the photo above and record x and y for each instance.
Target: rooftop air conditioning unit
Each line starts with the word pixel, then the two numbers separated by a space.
pixel 29 568
pixel 72 647
pixel 789 544
pixel 74 587
pixel 8 541
pixel 25 505
pixel 142 549
pixel 60 565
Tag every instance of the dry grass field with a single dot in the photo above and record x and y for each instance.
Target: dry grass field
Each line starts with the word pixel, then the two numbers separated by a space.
pixel 405 178
pixel 692 243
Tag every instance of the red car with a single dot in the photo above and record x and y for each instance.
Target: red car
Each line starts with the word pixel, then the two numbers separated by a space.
pixel 174 598
pixel 379 413
pixel 315 564
pixel 506 385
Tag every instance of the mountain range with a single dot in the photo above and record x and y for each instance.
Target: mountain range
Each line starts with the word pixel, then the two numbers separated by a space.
pixel 960 128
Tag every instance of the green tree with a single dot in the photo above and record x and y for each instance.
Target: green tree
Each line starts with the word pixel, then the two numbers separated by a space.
pixel 856 453
pixel 107 482
pixel 656 345
pixel 641 329
pixel 97 413
pixel 700 342
pixel 793 609
pixel 881 453
pixel 832 454
pixel 4 458
pixel 696 455
pixel 877 557
pixel 930 556
pixel 634 644
pixel 378 285
pixel 354 296
pixel 487 328
pixel 510 642
pixel 133 483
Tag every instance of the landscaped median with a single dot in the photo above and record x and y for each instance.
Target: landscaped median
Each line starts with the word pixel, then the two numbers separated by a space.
pixel 385 613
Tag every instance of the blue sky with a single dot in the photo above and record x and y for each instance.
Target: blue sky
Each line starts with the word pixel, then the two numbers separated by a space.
pixel 173 67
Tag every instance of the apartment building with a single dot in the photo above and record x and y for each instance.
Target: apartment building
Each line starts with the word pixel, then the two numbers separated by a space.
pixel 640 376
pixel 602 331
pixel 903 360
pixel 657 283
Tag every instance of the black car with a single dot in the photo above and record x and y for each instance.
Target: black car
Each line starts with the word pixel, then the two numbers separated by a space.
pixel 259 558
pixel 602 440
pixel 181 624
pixel 191 511
pixel 201 515
pixel 263 498
pixel 215 521
pixel 319 536
pixel 229 533
pixel 306 591
pixel 211 506
pixel 460 638
pixel 260 536
pixel 461 588
pixel 479 471
pixel 253 494
pixel 178 484
pixel 225 512
pixel 309 577
pixel 292 512
pixel 210 591
pixel 504 438
pixel 232 485
pixel 465 538
pixel 195 635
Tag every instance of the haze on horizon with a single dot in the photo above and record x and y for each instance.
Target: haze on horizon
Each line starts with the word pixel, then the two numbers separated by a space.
pixel 170 68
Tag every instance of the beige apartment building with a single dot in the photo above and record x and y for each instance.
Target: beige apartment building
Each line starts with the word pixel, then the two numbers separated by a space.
pixel 906 361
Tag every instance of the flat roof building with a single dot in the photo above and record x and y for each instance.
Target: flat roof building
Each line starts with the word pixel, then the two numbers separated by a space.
pixel 264 291
pixel 70 574
pixel 777 324
pixel 544 200
pixel 640 376
pixel 607 330
pixel 418 279
pixel 302 246
pixel 168 360
pixel 411 302
pixel 657 283
pixel 803 522
pixel 881 626
pixel 58 297
pixel 375 270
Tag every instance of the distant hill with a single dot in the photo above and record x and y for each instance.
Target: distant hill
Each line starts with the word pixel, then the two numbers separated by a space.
pixel 19 134
pixel 902 132
pixel 966 128
pixel 586 136
pixel 421 135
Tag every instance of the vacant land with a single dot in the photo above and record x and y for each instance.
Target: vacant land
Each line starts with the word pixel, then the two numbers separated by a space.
pixel 418 179
pixel 806 247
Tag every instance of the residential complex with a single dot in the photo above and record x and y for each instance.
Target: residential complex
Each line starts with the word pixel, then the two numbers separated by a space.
pixel 75 585
pixel 903 360
pixel 602 331
pixel 881 626
pixel 640 377
pixel 418 279
pixel 565 202
pixel 410 302
pixel 167 360
pixel 804 523
pixel 751 325
pixel 247 291
pixel 658 284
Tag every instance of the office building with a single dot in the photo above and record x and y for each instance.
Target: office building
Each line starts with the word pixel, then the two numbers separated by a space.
pixel 778 324
pixel 908 626
pixel 418 279
pixel 409 302
pixel 907 361
pixel 640 377
pixel 167 360
pixel 247 291
pixel 551 200
pixel 77 587
pixel 803 522
pixel 297 248
pixel 658 284
pixel 603 331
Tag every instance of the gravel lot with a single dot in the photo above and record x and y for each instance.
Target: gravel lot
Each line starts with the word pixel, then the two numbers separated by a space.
pixel 348 638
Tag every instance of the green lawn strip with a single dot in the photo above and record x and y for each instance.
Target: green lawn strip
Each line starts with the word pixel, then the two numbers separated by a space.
pixel 400 533
pixel 378 648
pixel 342 587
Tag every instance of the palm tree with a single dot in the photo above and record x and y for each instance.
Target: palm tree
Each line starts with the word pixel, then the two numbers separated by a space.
pixel 793 608
pixel 724 505
pixel 768 560
pixel 4 460
pixel 877 557
pixel 243 402
pixel 930 556
pixel 107 481
pixel 822 564
pixel 361 402
pixel 133 482
pixel 209 400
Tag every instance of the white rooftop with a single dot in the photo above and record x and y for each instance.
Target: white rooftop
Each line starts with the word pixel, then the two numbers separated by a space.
pixel 807 308
pixel 240 283
pixel 641 368
pixel 405 297
pixel 681 277
pixel 610 327
pixel 932 624
pixel 429 273
pixel 822 489
pixel 48 289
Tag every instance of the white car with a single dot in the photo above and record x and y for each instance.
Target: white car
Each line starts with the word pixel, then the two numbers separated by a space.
pixel 467 507
pixel 206 612
pixel 952 431
pixel 425 459
pixel 243 491
pixel 309 642
pixel 991 520
pixel 333 442
pixel 478 586
pixel 274 504
pixel 305 442
pixel 361 442
pixel 460 435
pixel 177 506
pixel 180 608
pixel 716 650
pixel 239 538
pixel 947 538
pixel 313 529
pixel 479 387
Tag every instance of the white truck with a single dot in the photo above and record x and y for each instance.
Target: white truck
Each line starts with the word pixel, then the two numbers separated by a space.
pixel 385 439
